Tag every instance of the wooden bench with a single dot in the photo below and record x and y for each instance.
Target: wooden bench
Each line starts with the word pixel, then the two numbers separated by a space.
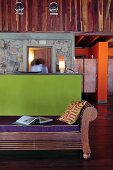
pixel 41 140
pixel 43 94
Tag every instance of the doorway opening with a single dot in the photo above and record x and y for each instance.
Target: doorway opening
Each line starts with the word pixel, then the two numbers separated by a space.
pixel 42 53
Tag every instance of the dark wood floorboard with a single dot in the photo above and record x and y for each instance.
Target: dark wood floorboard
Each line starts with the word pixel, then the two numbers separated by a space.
pixel 101 141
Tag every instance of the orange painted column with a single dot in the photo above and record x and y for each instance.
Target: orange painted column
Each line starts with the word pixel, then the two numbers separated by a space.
pixel 102 72
pixel 100 52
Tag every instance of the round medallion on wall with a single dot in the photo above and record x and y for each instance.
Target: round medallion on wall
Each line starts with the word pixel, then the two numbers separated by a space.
pixel 53 8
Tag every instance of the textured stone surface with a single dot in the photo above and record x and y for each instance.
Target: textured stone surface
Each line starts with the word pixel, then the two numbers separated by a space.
pixel 12 53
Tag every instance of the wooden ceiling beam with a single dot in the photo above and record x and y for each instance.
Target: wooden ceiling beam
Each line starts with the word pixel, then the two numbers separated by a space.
pixel 80 38
pixel 92 40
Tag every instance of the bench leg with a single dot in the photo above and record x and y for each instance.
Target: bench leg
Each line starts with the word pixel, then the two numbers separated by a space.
pixel 86 155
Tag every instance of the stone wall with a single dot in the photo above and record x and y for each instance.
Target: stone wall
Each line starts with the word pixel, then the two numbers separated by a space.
pixel 13 53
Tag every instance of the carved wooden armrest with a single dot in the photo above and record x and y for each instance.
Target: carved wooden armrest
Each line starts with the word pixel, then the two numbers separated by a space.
pixel 88 115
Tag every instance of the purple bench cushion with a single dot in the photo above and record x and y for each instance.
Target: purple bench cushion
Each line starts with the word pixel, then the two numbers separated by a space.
pixel 6 125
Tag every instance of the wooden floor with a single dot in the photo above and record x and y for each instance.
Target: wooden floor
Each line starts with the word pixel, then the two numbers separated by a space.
pixel 101 137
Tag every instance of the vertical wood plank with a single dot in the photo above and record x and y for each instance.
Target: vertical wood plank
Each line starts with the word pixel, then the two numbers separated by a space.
pixel 48 17
pixel 67 16
pixel 58 17
pixel 30 15
pixel 26 14
pixel 75 21
pixel 34 15
pixel 100 15
pixel 23 18
pixel 60 24
pixel 9 15
pixel 108 8
pixel 73 15
pixel 95 15
pixel 13 16
pixel 111 16
pixel 84 15
pixel 90 16
pixel 54 20
pixel 106 24
pixel 104 15
pixel 5 16
pixel 63 13
pixel 79 27
pixel 44 16
pixel 1 9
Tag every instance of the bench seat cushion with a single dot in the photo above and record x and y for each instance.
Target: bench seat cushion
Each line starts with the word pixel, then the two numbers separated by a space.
pixel 6 125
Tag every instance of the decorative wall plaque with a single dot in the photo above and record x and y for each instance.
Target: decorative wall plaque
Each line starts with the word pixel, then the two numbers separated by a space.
pixel 53 8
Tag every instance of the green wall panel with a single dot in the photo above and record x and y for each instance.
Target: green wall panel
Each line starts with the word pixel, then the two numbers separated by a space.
pixel 38 94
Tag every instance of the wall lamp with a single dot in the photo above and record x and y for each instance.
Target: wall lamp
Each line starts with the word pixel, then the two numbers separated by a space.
pixel 61 64
pixel 19 8
pixel 53 8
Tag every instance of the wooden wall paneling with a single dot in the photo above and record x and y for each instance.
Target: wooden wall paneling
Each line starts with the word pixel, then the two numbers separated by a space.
pixel 68 17
pixel 1 9
pixel 40 14
pixel 111 16
pixel 108 8
pixel 54 25
pixel 51 22
pixel 59 17
pixel 54 20
pixel 30 19
pixel 106 24
pixel 9 15
pixel 5 16
pixel 48 28
pixel 104 16
pixel 63 14
pixel 23 17
pixel 36 10
pixel 34 15
pixel 26 15
pixel 44 16
pixel 89 14
pixel 75 21
pixel 95 15
pixel 72 13
pixel 21 24
pixel 84 15
pixel 13 16
pixel 100 15
pixel 79 26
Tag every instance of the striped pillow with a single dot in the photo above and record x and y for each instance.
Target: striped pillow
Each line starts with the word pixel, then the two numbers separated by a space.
pixel 72 112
